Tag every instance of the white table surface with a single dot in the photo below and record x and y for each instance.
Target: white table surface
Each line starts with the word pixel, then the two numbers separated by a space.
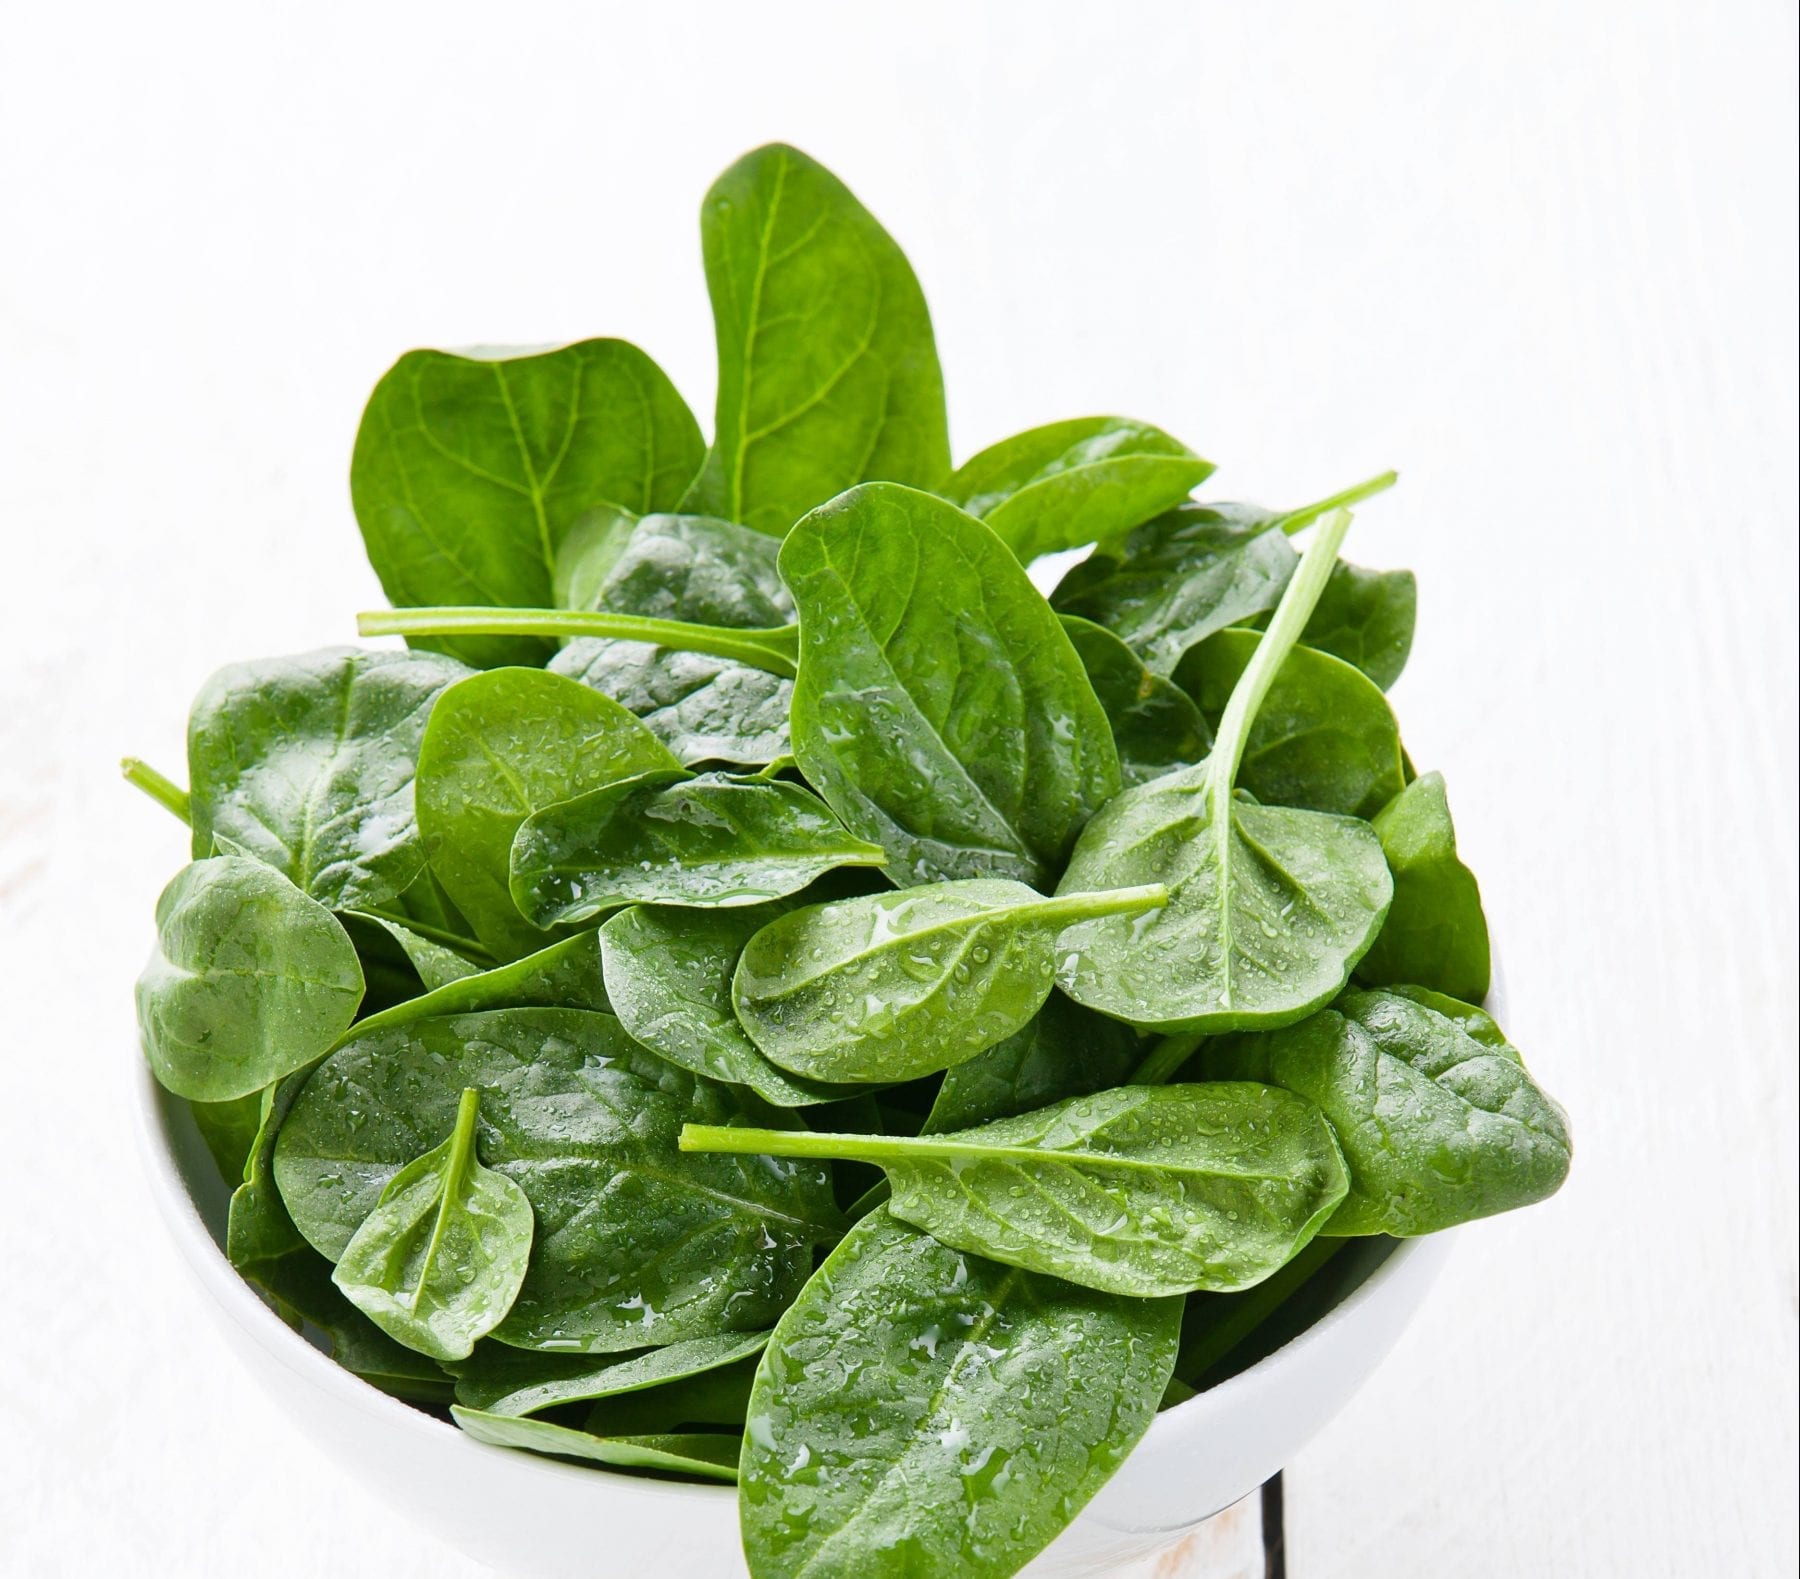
pixel 1539 256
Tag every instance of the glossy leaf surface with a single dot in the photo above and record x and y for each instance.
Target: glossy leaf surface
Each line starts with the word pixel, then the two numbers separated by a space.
pixel 705 1455
pixel 1156 725
pixel 505 1381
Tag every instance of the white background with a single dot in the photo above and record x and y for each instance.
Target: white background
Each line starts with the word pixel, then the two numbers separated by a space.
pixel 1539 256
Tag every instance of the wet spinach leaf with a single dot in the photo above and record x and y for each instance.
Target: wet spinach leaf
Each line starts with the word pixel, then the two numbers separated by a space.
pixel 1435 934
pixel 1156 725
pixel 250 979
pixel 892 986
pixel 1366 617
pixel 705 1455
pixel 1074 482
pixel 674 838
pixel 469 471
pixel 505 1381
pixel 1143 1190
pixel 438 1262
pixel 924 1411
pixel 940 708
pixel 828 373
pixel 1437 1127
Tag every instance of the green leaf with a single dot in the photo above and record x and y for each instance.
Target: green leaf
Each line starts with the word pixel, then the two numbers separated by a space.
pixel 706 1455
pixel 307 764
pixel 1366 618
pixel 637 1245
pixel 502 1381
pixel 439 1261
pixel 940 708
pixel 586 555
pixel 500 746
pixel 250 979
pixel 668 973
pixel 896 985
pixel 1143 1190
pixel 828 374
pixel 1070 483
pixel 922 1411
pixel 1064 1051
pixel 229 1130
pixel 1269 906
pixel 1174 581
pixel 1437 1127
pixel 1435 933
pixel 671 838
pixel 436 965
pixel 1155 724
pixel 469 471
pixel 1324 739
pixel 566 975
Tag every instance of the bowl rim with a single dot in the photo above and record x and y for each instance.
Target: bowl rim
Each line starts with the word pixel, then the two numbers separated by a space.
pixel 235 1297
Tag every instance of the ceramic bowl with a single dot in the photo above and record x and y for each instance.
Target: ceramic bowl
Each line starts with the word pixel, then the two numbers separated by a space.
pixel 536 1518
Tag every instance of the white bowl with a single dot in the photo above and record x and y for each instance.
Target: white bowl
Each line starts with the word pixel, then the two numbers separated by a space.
pixel 536 1518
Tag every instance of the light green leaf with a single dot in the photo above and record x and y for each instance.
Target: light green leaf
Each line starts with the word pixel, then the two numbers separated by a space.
pixel 503 1381
pixel 705 1455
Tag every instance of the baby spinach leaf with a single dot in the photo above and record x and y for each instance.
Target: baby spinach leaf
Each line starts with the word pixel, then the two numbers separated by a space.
pixel 694 568
pixel 717 1399
pixel 922 1411
pixel 566 975
pixel 1269 906
pixel 229 1131
pixel 470 470
pixel 637 1245
pixel 897 985
pixel 435 964
pixel 1143 1190
pixel 940 708
pixel 828 373
pixel 1324 738
pixel 1155 724
pixel 705 1455
pixel 439 1261
pixel 586 555
pixel 500 746
pixel 673 838
pixel 1435 933
pixel 250 979
pixel 1366 618
pixel 668 973
pixel 1064 1051
pixel 1070 483
pixel 307 764
pixel 1437 1127
pixel 503 1381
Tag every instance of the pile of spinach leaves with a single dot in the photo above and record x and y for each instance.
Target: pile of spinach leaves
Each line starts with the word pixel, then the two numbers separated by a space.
pixel 758 992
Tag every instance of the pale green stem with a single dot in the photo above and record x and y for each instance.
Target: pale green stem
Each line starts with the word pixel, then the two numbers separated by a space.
pixel 1164 1059
pixel 462 1143
pixel 1298 520
pixel 165 792
pixel 775 650
pixel 1086 906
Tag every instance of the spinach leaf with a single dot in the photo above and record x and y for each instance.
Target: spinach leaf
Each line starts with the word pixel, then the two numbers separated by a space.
pixel 566 975
pixel 718 1399
pixel 940 708
pixel 1269 907
pixel 1155 724
pixel 1064 1051
pixel 250 979
pixel 892 986
pixel 229 1131
pixel 440 1260
pixel 1144 1190
pixel 500 746
pixel 435 964
pixel 307 764
pixel 705 1455
pixel 1435 933
pixel 673 838
pixel 503 1381
pixel 469 471
pixel 922 1411
pixel 1366 618
pixel 637 1245
pixel 1437 1127
pixel 668 974
pixel 1070 483
pixel 828 373
pixel 586 555
pixel 1324 737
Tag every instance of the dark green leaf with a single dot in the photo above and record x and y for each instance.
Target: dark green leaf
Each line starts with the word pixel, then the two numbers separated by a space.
pixel 250 979
pixel 229 1130
pixel 503 1381
pixel 707 1455
pixel 1070 483
pixel 828 374
pixel 470 471
pixel 940 708
pixel 1155 724
pixel 1366 618
pixel 920 1411
pixel 1435 933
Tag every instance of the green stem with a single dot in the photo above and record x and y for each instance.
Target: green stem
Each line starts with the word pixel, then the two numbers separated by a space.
pixel 462 1143
pixel 1249 1310
pixel 454 941
pixel 775 650
pixel 885 1150
pixel 1291 615
pixel 1298 520
pixel 1165 1059
pixel 1086 906
pixel 165 792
